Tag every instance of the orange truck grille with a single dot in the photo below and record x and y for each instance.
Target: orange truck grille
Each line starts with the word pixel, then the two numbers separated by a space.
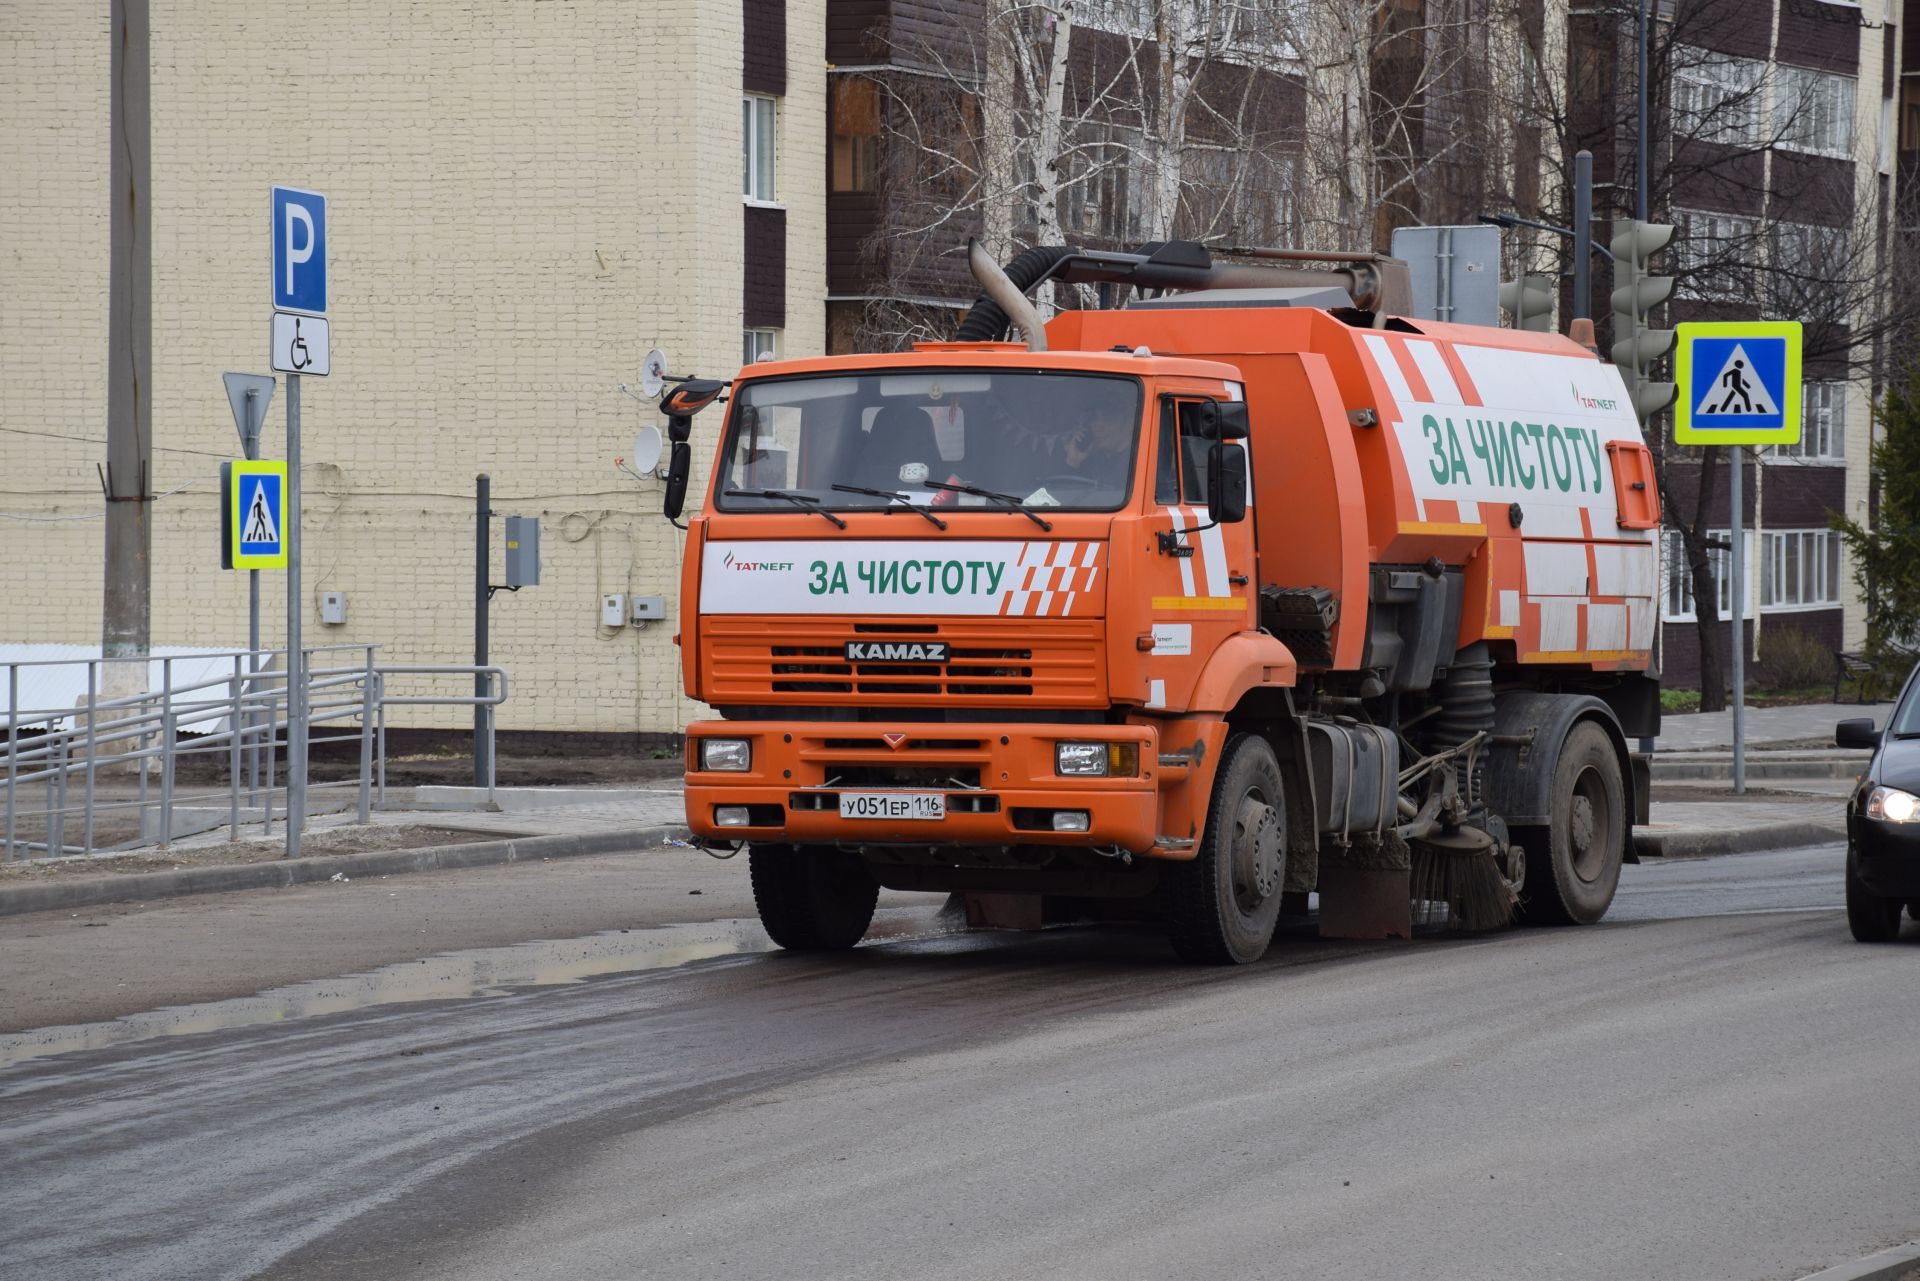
pixel 1052 662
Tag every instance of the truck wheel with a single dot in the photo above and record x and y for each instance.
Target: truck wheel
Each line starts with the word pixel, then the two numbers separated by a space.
pixel 1871 918
pixel 1221 907
pixel 811 898
pixel 1573 865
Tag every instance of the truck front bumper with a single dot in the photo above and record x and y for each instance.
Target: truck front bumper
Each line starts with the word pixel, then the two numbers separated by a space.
pixel 997 784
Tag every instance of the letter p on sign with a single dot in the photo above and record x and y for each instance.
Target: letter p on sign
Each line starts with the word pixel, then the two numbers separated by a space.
pixel 299 250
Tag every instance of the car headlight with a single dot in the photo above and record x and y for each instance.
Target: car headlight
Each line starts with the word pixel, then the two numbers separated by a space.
pixel 734 754
pixel 1891 805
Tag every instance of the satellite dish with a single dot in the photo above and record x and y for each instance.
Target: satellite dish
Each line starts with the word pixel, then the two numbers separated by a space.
pixel 646 450
pixel 653 373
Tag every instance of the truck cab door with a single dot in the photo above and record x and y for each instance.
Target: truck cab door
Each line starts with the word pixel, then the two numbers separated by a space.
pixel 1195 580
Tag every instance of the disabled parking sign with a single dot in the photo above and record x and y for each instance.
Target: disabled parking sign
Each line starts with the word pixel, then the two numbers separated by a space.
pixel 253 496
pixel 1739 383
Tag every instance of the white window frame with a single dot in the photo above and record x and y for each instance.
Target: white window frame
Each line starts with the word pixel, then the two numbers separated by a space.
pixel 1815 110
pixel 1718 99
pixel 755 343
pixel 1819 559
pixel 759 140
pixel 1676 600
pixel 1688 253
pixel 1823 426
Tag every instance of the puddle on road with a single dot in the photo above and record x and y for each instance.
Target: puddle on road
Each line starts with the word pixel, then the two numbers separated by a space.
pixel 447 976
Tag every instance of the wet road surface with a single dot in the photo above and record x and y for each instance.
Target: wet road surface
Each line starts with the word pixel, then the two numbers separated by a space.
pixel 1716 1083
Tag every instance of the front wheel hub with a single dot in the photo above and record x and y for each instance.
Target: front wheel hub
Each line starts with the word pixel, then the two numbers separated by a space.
pixel 1258 857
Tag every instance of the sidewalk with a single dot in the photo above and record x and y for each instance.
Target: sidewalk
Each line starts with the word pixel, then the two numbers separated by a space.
pixel 1692 731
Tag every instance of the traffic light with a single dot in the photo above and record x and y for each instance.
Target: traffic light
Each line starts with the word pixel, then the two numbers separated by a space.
pixel 1636 292
pixel 1529 300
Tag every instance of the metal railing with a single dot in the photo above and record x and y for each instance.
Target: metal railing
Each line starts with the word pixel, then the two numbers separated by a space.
pixel 156 749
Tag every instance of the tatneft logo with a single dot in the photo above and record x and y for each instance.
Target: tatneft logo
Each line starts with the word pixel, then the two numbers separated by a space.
pixel 1592 402
pixel 757 566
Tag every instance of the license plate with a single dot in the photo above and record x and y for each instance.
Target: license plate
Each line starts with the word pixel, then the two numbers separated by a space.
pixel 901 805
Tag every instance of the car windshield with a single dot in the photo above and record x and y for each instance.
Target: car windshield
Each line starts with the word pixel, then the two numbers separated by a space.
pixel 945 439
pixel 1906 717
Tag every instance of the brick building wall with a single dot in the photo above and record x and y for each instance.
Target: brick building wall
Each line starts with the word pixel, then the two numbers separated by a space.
pixel 522 202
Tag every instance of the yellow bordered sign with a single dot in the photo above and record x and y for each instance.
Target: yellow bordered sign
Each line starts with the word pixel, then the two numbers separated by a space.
pixel 1739 383
pixel 254 502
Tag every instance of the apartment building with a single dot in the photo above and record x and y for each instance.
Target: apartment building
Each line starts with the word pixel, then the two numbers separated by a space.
pixel 1775 159
pixel 524 199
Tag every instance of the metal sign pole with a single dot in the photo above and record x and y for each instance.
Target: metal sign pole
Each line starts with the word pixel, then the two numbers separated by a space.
pixel 482 512
pixel 1739 577
pixel 250 446
pixel 296 665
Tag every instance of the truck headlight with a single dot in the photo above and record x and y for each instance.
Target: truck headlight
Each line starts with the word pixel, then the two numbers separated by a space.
pixel 735 754
pixel 1082 759
pixel 1891 805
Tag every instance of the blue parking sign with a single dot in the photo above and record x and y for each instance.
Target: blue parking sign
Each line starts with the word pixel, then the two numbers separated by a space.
pixel 299 250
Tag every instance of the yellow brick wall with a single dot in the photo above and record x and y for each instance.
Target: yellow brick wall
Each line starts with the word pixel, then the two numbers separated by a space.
pixel 522 200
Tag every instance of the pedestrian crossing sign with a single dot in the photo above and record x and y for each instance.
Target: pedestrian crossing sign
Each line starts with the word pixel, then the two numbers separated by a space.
pixel 253 498
pixel 1739 383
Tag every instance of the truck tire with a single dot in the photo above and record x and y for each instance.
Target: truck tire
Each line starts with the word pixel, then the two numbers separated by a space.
pixel 1871 918
pixel 812 898
pixel 1573 864
pixel 1221 906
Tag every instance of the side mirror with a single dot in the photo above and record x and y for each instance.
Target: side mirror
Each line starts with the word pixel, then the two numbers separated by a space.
pixel 1860 733
pixel 1222 420
pixel 1226 483
pixel 678 467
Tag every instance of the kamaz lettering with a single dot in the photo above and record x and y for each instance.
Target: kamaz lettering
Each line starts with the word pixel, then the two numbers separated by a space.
pixel 896 651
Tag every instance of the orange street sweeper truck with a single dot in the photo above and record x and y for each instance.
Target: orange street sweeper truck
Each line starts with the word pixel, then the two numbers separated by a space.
pixel 1183 610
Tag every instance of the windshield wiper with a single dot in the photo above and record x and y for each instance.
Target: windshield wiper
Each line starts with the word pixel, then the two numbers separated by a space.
pixel 1009 500
pixel 892 496
pixel 808 501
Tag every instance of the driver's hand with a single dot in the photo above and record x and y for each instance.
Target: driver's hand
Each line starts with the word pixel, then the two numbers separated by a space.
pixel 1078 447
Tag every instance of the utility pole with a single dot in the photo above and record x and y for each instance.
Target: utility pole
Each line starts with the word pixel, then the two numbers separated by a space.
pixel 1582 235
pixel 482 578
pixel 1642 145
pixel 126 602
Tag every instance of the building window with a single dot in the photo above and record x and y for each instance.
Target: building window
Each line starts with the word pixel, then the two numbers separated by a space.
pixel 1679 603
pixel 756 147
pixel 1717 98
pixel 759 344
pixel 1800 569
pixel 856 133
pixel 1815 111
pixel 1823 424
pixel 1712 255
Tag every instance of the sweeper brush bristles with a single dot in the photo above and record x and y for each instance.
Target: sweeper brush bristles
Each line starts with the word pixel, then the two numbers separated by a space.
pixel 1467 880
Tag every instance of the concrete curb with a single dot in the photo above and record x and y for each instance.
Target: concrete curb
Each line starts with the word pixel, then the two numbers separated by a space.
pixel 91 891
pixel 1883 1266
pixel 1705 843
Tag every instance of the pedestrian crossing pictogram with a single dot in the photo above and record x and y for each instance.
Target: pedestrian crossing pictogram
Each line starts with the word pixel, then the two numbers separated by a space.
pixel 1737 389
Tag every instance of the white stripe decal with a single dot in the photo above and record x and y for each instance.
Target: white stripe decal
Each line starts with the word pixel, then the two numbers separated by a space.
pixel 1213 554
pixel 1389 368
pixel 1185 563
pixel 1433 368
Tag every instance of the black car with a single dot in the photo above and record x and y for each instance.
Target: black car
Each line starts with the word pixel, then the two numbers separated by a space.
pixel 1883 821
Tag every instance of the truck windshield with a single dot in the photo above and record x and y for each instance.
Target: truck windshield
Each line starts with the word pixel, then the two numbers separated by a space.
pixel 1043 439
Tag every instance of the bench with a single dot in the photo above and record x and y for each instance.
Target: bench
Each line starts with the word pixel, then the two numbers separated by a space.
pixel 1855 667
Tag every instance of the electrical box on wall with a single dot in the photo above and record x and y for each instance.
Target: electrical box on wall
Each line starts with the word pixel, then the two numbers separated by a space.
pixel 333 608
pixel 649 609
pixel 613 611
pixel 523 551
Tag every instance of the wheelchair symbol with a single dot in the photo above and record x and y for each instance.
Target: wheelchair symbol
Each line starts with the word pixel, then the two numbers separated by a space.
pixel 298 356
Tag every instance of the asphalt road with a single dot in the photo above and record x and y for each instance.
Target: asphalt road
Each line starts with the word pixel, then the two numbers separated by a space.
pixel 1716 1083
